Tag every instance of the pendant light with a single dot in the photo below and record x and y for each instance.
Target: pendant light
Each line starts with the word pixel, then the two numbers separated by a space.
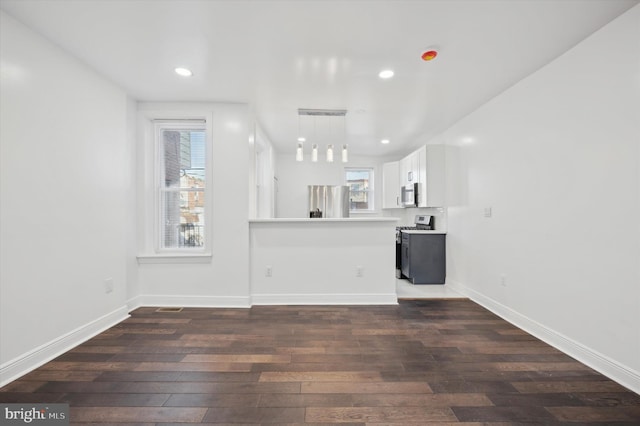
pixel 330 153
pixel 299 149
pixel 314 147
pixel 345 153
pixel 299 154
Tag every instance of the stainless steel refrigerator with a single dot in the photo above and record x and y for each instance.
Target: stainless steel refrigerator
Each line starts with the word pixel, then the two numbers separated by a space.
pixel 327 201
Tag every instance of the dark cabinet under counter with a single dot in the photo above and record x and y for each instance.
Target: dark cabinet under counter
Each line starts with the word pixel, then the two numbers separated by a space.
pixel 423 257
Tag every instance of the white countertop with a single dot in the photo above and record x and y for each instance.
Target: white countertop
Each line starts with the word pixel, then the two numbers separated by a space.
pixel 323 220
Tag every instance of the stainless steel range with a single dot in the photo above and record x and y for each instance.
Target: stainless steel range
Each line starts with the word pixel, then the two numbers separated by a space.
pixel 421 222
pixel 420 252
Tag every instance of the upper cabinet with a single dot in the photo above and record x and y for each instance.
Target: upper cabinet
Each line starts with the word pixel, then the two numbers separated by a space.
pixel 409 169
pixel 425 167
pixel 431 175
pixel 391 185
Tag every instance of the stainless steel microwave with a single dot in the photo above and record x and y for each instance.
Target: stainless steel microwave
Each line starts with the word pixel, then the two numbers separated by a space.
pixel 410 195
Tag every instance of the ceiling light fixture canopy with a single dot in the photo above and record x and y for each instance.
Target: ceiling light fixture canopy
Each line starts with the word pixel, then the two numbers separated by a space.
pixel 328 116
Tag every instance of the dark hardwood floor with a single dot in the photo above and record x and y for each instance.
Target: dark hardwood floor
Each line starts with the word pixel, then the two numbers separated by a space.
pixel 421 362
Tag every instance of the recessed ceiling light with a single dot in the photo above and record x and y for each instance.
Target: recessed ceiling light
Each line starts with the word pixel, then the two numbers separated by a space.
pixel 386 74
pixel 301 139
pixel 184 72
pixel 385 141
pixel 468 140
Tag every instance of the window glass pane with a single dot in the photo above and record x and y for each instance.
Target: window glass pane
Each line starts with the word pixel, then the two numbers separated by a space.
pixel 358 179
pixel 360 182
pixel 182 185
pixel 182 218
pixel 184 158
pixel 359 200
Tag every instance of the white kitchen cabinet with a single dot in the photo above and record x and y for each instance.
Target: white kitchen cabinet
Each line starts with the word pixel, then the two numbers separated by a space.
pixel 413 166
pixel 421 157
pixel 391 185
pixel 409 169
pixel 403 168
pixel 431 175
pixel 425 166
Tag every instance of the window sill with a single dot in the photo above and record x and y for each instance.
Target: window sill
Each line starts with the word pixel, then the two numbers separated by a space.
pixel 174 258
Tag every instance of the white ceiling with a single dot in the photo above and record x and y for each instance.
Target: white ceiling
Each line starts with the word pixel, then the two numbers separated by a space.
pixel 283 55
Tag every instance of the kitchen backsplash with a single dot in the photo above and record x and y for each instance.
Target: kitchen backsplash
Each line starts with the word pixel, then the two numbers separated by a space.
pixel 407 215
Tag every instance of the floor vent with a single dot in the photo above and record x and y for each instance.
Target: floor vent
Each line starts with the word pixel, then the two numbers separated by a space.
pixel 172 310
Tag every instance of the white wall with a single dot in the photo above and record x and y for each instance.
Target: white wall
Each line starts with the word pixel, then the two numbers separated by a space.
pixel 557 159
pixel 64 212
pixel 222 279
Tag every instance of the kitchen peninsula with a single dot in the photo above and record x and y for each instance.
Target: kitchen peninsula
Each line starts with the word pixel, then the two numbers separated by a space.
pixel 323 261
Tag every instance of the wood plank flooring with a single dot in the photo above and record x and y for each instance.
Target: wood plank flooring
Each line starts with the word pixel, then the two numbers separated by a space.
pixel 421 362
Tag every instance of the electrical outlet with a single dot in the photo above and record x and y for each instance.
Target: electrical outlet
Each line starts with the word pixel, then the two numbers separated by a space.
pixel 268 272
pixel 503 280
pixel 487 212
pixel 359 271
pixel 108 285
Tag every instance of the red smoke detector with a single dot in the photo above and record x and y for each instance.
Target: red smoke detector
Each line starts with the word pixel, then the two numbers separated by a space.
pixel 429 55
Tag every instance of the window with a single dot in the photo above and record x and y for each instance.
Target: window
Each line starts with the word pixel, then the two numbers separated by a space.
pixel 360 183
pixel 181 184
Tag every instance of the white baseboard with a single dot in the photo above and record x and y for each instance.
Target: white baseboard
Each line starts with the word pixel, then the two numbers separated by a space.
pixel 189 301
pixel 620 373
pixel 17 367
pixel 133 303
pixel 261 299
pixel 324 299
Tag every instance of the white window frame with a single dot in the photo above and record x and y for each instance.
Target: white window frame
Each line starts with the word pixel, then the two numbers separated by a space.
pixel 175 124
pixel 370 191
pixel 150 250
